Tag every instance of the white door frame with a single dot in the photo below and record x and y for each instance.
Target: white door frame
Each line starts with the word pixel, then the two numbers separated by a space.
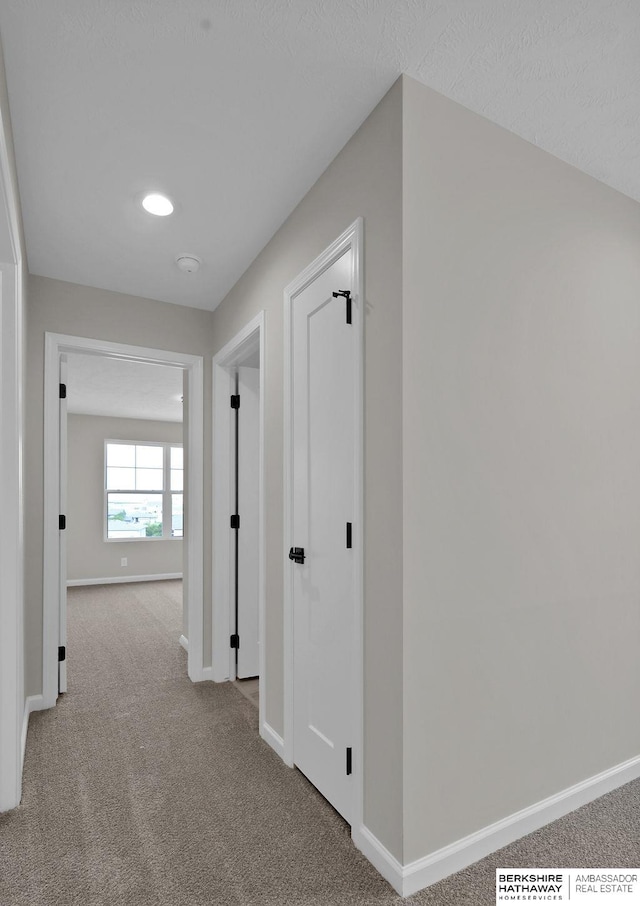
pixel 62 536
pixel 246 658
pixel 352 238
pixel 250 338
pixel 55 345
pixel 13 714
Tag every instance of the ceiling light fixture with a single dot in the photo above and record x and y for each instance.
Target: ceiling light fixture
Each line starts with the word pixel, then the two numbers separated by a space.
pixel 157 204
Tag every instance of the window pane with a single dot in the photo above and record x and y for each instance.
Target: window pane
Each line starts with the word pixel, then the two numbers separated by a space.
pixel 121 478
pixel 176 457
pixel 134 515
pixel 176 516
pixel 176 479
pixel 121 455
pixel 149 457
pixel 149 479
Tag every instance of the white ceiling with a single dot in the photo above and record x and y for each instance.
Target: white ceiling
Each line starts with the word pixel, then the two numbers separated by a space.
pixel 235 107
pixel 121 389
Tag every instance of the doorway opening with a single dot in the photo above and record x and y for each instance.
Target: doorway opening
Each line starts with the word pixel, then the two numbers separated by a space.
pixel 122 478
pixel 238 530
pixel 57 349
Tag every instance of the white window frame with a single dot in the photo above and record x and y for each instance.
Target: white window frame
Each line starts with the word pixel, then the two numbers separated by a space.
pixel 166 492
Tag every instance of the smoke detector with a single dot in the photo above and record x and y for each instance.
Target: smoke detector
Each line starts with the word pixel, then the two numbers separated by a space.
pixel 188 264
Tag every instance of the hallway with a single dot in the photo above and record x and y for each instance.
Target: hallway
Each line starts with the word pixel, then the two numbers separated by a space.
pixel 141 788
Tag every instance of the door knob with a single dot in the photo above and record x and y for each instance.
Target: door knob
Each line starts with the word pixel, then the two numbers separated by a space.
pixel 296 554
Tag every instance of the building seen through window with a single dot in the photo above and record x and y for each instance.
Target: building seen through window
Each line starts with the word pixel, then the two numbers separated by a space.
pixel 143 491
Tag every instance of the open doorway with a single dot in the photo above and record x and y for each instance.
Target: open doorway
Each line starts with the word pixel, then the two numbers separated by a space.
pixel 57 347
pixel 122 475
pixel 238 550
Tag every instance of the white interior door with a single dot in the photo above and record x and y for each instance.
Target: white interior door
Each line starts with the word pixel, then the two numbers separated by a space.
pixel 62 571
pixel 248 488
pixel 323 510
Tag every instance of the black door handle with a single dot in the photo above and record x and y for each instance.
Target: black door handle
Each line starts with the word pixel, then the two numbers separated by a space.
pixel 296 554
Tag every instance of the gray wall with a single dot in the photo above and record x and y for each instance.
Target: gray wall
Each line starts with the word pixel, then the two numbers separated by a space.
pixel 84 311
pixel 365 179
pixel 521 394
pixel 89 556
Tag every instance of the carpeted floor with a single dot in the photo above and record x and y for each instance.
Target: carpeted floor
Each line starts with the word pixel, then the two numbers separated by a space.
pixel 250 688
pixel 141 788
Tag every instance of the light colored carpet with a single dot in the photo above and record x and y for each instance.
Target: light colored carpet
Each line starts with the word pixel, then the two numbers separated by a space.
pixel 144 789
pixel 250 688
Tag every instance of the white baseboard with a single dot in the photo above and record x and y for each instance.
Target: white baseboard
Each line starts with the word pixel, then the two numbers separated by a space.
pixel 221 674
pixel 32 703
pixel 109 580
pixel 379 856
pixel 204 674
pixel 272 738
pixel 409 879
pixel 184 641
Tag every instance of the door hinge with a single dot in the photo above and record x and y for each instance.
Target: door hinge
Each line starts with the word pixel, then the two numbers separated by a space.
pixel 234 641
pixel 62 653
pixel 62 523
pixel 347 296
pixel 63 391
pixel 235 521
pixel 235 401
pixel 349 759
pixel 349 544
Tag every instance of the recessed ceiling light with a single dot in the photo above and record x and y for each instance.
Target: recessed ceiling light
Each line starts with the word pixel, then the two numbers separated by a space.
pixel 157 204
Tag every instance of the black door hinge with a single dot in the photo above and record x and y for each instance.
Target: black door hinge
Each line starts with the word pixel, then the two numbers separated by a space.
pixel 235 401
pixel 349 544
pixel 62 523
pixel 349 759
pixel 63 391
pixel 235 522
pixel 62 653
pixel 234 641
pixel 347 296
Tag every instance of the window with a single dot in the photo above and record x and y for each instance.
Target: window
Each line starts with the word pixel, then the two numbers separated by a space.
pixel 143 491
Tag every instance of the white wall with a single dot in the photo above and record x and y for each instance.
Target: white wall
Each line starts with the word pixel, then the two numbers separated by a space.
pixel 84 311
pixel 521 396
pixel 12 314
pixel 89 556
pixel 364 179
